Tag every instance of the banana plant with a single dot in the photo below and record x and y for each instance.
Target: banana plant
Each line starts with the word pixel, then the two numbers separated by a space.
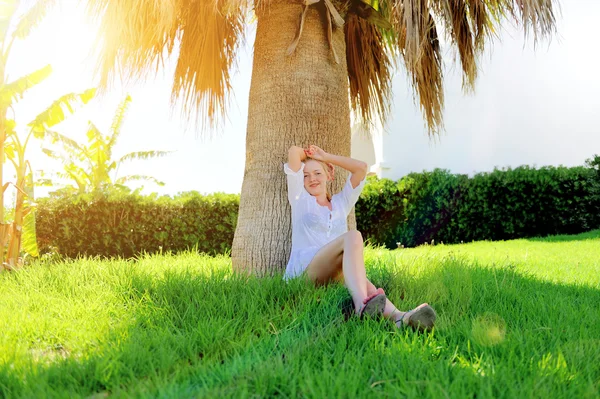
pixel 13 28
pixel 91 165
pixel 21 232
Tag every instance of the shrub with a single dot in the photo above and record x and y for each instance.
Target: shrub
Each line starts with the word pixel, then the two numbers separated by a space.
pixel 379 211
pixel 124 224
pixel 429 203
pixel 498 205
pixel 419 208
pixel 594 183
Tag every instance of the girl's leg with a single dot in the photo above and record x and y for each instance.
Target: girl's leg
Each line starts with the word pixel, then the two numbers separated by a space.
pixel 345 255
pixel 342 259
pixel 397 316
pixel 390 311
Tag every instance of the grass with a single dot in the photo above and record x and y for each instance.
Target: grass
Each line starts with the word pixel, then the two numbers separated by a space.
pixel 515 319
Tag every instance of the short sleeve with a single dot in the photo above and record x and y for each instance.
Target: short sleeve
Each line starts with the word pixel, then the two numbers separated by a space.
pixel 348 196
pixel 295 182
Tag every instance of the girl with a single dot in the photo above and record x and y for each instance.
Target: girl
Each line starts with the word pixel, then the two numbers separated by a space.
pixel 322 247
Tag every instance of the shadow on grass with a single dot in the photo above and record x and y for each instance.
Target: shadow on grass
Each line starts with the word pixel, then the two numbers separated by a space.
pixel 499 334
pixel 590 235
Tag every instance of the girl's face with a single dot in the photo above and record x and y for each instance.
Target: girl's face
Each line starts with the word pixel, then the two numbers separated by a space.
pixel 315 178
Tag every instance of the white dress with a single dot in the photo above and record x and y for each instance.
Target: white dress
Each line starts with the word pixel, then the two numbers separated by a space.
pixel 314 225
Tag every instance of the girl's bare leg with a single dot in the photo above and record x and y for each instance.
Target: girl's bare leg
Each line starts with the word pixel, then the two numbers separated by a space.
pixel 344 254
pixel 342 259
pixel 390 311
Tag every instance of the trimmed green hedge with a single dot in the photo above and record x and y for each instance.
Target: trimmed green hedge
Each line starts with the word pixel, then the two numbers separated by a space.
pixel 419 208
pixel 410 211
pixel 499 205
pixel 128 224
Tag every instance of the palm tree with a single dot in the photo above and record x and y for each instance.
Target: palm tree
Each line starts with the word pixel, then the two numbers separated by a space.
pixel 313 61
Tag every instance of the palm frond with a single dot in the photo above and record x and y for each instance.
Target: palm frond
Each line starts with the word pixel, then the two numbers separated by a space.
pixel 369 69
pixel 469 24
pixel 207 54
pixel 480 22
pixel 10 152
pixel 417 40
pixel 135 37
pixel 536 16
pixel 10 126
pixel 81 177
pixel 456 16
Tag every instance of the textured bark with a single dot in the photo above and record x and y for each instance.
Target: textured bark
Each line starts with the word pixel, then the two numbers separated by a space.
pixel 294 100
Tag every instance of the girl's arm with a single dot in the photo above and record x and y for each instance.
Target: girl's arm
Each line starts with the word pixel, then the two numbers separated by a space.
pixel 296 156
pixel 354 166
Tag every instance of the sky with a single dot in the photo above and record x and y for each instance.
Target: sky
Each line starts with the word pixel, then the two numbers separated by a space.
pixel 496 126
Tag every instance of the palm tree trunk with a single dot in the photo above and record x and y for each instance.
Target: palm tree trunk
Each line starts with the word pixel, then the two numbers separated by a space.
pixel 294 100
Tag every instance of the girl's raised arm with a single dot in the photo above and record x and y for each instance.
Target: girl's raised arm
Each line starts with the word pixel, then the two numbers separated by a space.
pixel 354 166
pixel 295 157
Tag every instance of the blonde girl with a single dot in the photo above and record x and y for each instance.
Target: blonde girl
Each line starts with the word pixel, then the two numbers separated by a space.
pixel 323 249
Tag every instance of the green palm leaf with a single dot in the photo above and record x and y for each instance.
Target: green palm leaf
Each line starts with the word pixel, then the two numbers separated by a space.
pixel 51 154
pixel 12 92
pixel 59 110
pixel 125 179
pixel 82 178
pixel 90 165
pixel 10 125
pixel 9 151
pixel 143 155
pixel 97 149
pixel 29 236
pixel 117 123
pixel 64 140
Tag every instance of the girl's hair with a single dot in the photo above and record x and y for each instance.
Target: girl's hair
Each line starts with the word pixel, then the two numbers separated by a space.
pixel 329 172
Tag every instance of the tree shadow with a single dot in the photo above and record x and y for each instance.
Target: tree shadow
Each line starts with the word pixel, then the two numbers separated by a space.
pixel 499 333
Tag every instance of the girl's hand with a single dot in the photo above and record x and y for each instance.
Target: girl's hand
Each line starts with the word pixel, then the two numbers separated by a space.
pixel 297 152
pixel 316 153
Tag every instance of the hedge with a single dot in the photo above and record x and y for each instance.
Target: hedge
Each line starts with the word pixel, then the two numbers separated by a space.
pixel 420 207
pixel 499 205
pixel 128 224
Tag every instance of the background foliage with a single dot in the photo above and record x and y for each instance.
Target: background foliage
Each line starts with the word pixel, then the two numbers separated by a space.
pixel 498 205
pixel 126 224
pixel 419 208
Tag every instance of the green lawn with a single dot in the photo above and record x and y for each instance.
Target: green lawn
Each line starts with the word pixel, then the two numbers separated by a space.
pixel 515 319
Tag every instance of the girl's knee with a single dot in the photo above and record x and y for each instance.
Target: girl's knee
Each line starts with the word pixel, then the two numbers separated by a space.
pixel 354 237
